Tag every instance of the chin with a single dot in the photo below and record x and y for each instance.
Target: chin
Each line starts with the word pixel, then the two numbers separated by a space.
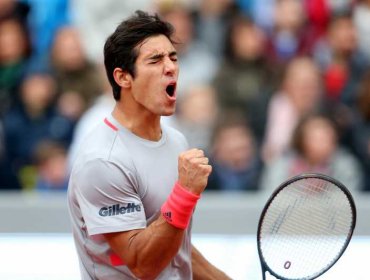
pixel 168 111
pixel 167 114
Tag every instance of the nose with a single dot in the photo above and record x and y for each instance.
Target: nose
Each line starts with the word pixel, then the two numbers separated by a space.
pixel 170 67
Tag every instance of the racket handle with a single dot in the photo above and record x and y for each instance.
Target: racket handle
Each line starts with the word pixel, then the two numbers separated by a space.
pixel 263 273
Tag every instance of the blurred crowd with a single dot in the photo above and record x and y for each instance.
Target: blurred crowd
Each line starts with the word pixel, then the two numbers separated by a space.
pixel 268 88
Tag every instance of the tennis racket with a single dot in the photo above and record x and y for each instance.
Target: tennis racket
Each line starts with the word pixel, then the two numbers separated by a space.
pixel 305 227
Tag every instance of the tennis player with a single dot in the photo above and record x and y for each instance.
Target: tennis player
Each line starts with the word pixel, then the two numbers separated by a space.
pixel 134 184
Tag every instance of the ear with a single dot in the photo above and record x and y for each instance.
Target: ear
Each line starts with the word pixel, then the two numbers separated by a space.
pixel 122 78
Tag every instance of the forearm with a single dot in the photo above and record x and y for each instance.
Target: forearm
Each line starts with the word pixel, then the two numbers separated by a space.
pixel 150 250
pixel 204 270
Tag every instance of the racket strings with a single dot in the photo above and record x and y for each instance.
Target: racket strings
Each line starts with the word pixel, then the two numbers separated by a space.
pixel 315 209
pixel 305 228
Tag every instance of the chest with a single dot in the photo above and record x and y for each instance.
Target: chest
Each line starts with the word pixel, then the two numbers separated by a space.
pixel 156 174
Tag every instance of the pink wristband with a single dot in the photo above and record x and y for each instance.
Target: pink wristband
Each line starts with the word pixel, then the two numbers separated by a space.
pixel 178 208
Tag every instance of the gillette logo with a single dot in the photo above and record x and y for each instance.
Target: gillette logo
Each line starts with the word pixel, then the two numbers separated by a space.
pixel 117 210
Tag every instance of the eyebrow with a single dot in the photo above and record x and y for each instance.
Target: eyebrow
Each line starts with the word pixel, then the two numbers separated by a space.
pixel 161 55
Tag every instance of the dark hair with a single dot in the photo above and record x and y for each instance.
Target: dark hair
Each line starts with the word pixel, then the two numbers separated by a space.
pixel 46 150
pixel 239 20
pixel 231 119
pixel 298 133
pixel 120 49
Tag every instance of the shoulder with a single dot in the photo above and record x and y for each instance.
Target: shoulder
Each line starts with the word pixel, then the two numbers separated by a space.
pixel 101 175
pixel 14 115
pixel 345 159
pixel 103 144
pixel 275 172
pixel 98 169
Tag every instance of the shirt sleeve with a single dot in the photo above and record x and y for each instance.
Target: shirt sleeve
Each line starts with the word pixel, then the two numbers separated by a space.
pixel 108 198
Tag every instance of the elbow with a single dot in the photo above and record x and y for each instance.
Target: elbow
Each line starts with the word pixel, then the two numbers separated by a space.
pixel 146 272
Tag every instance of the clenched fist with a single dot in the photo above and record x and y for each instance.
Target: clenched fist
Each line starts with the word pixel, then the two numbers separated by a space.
pixel 194 170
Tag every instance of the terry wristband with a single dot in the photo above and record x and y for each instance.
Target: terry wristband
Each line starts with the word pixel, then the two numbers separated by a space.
pixel 178 208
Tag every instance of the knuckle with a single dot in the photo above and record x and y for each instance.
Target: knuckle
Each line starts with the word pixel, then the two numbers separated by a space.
pixel 200 153
pixel 206 169
pixel 209 169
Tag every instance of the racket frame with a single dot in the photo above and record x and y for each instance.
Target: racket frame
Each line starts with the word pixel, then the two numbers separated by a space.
pixel 264 265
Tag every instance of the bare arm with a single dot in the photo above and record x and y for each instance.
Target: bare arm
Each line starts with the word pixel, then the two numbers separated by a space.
pixel 148 251
pixel 203 269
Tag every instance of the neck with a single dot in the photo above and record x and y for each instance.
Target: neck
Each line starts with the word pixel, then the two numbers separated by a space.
pixel 146 126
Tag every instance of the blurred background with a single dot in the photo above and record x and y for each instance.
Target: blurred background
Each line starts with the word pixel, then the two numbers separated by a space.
pixel 268 89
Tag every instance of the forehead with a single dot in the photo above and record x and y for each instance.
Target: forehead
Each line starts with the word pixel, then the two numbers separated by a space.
pixel 159 44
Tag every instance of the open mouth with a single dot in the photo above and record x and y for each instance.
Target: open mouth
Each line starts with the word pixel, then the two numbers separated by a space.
pixel 170 89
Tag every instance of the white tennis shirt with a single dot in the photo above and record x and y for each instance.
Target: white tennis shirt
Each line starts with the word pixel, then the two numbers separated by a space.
pixel 118 183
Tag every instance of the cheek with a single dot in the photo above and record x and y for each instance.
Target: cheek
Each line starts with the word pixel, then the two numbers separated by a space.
pixel 148 95
pixel 146 80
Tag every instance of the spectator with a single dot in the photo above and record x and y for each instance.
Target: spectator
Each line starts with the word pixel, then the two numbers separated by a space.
pixel 196 116
pixel 360 130
pixel 314 148
pixel 261 11
pixel 33 120
pixel 234 157
pixel 290 36
pixel 95 21
pixel 342 66
pixel 50 160
pixel 14 54
pixel 246 79
pixel 102 107
pixel 318 15
pixel 78 80
pixel 43 23
pixel 197 64
pixel 299 95
pixel 14 9
pixel 341 63
pixel 212 20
